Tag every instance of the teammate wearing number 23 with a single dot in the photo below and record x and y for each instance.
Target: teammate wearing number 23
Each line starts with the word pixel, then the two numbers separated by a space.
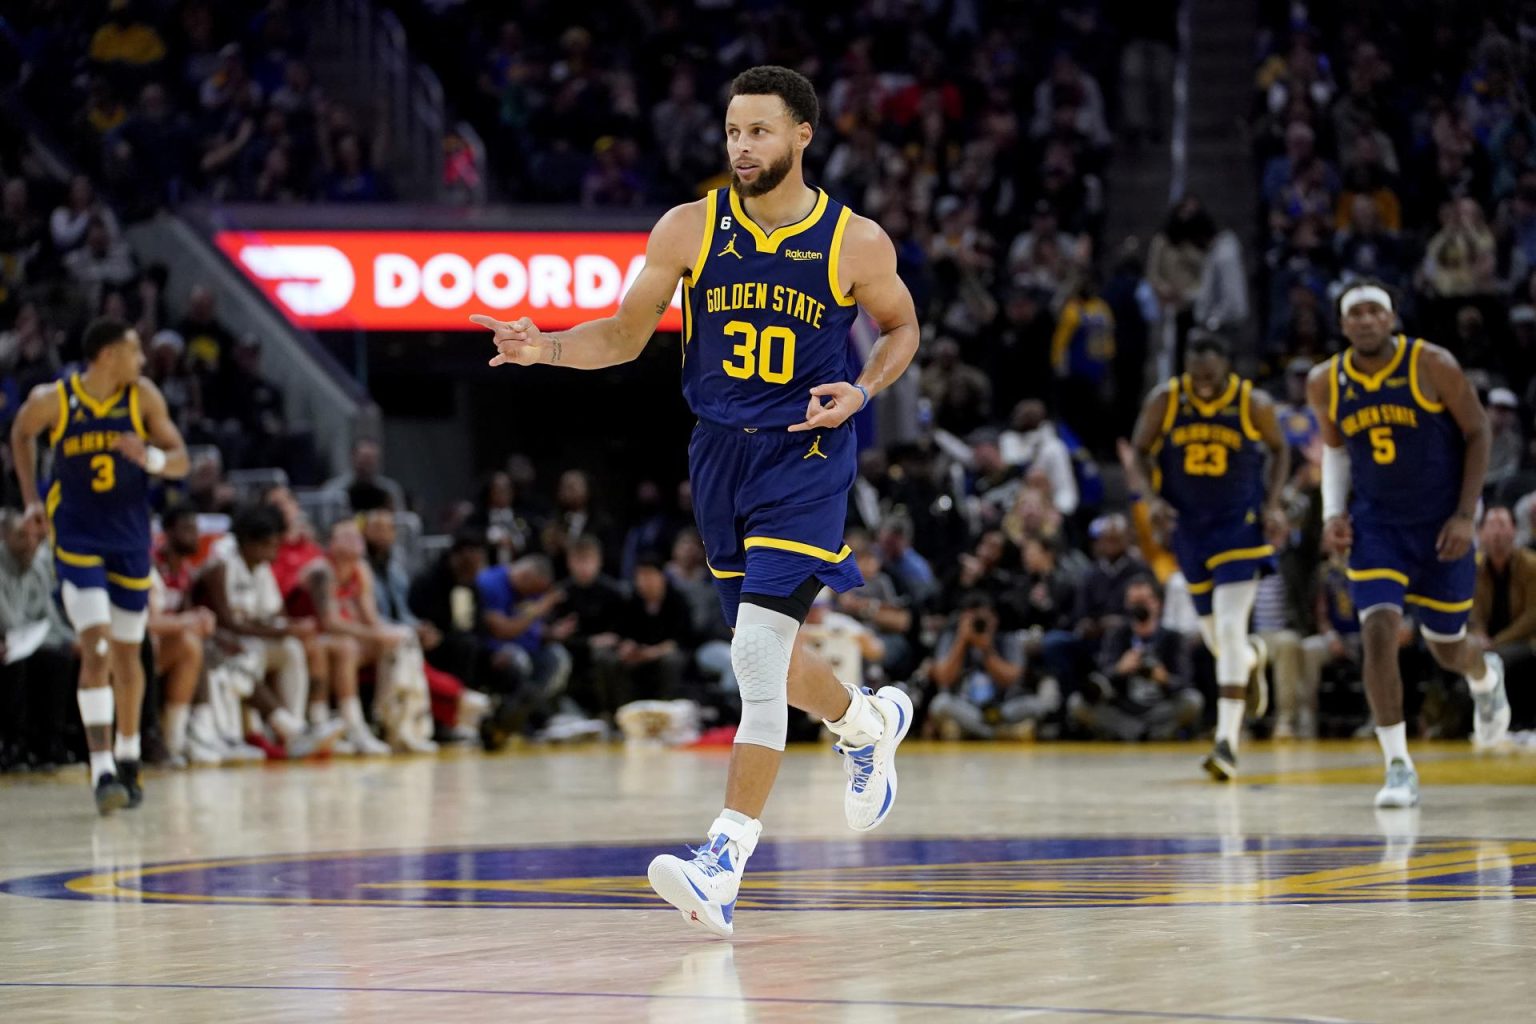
pixel 773 272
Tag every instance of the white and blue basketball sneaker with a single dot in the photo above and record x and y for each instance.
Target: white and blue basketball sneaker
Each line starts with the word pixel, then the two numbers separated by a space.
pixel 871 768
pixel 1401 788
pixel 1490 723
pixel 704 889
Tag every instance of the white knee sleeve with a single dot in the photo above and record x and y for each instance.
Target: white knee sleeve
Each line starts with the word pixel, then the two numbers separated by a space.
pixel 128 627
pixel 760 658
pixel 1231 604
pixel 86 609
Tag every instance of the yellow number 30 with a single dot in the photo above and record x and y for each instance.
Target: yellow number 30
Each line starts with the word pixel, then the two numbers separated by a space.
pixel 106 473
pixel 759 363
pixel 1383 448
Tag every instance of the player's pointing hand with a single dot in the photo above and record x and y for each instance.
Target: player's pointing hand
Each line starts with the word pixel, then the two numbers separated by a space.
pixel 843 400
pixel 517 341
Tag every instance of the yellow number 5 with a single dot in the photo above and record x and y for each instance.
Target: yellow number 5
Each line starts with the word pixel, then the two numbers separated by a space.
pixel 760 363
pixel 1205 460
pixel 106 473
pixel 1383 448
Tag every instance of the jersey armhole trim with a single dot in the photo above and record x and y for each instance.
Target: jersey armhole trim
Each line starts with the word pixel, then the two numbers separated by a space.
pixel 134 413
pixel 58 428
pixel 711 204
pixel 834 256
pixel 1245 412
pixel 1172 411
pixel 1333 390
pixel 1413 380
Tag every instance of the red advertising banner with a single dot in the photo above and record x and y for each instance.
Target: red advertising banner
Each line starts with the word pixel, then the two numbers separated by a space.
pixel 433 280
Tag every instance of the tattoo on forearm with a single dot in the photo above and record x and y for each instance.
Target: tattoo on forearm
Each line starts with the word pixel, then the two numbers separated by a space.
pixel 556 344
pixel 661 308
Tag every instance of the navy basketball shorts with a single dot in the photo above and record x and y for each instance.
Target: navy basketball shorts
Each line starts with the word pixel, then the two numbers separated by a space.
pixel 124 575
pixel 770 506
pixel 1211 552
pixel 1397 565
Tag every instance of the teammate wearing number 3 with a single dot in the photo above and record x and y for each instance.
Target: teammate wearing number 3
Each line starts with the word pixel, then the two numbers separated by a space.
pixel 1210 447
pixel 1406 449
pixel 773 272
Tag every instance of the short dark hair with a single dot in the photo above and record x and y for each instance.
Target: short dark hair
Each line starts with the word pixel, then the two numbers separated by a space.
pixel 466 538
pixel 174 515
pixel 1202 342
pixel 256 523
pixel 797 92
pixel 100 333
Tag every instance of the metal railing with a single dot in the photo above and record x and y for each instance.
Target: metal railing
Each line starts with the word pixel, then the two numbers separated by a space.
pixel 377 69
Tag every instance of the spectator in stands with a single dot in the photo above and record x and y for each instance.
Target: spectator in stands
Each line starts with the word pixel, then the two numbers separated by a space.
pixel 911 572
pixel 1336 643
pixel 149 154
pixel 1020 349
pixel 100 263
pixel 209 344
pixel 1366 248
pixel 576 515
pixel 1504 608
pixel 977 672
pixel 1083 353
pixel 591 608
pixel 1176 260
pixel 36 691
pixel 1507 449
pixel 70 222
pixel 688 574
pixel 1043 596
pixel 239 587
pixel 366 487
pixel 446 596
pixel 179 634
pixel 517 605
pixel 29 354
pixel 166 365
pixel 959 394
pixel 880 608
pixel 1146 67
pixel 651 642
pixel 126 42
pixel 349 178
pixel 1143 690
pixel 1031 442
pixel 1459 260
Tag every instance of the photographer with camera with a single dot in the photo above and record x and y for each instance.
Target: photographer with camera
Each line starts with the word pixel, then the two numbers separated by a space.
pixel 1142 689
pixel 980 676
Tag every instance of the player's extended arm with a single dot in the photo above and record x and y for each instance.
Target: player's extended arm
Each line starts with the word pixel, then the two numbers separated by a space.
pixel 611 340
pixel 171 461
pixel 1336 527
pixel 1262 408
pixel 38 413
pixel 1144 438
pixel 869 259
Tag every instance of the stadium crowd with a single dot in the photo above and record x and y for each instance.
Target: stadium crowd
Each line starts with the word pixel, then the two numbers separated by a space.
pixel 1010 584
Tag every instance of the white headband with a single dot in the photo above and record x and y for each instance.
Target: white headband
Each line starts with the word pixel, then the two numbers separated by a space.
pixel 1365 293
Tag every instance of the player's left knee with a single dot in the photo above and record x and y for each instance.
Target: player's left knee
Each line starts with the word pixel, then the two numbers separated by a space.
pixel 760 653
pixel 127 627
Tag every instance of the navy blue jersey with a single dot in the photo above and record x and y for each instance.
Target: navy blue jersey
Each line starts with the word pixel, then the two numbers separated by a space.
pixel 763 318
pixel 99 500
pixel 1210 458
pixel 1405 452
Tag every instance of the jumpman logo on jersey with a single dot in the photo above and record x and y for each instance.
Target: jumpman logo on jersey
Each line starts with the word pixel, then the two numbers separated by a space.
pixel 815 450
pixel 730 247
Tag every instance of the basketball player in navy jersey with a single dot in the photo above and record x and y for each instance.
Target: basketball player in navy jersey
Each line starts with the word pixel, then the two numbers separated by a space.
pixel 773 274
pixel 110 432
pixel 1406 450
pixel 1210 446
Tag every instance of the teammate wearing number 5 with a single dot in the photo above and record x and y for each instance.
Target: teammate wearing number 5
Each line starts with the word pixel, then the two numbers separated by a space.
pixel 1406 449
pixel 773 274
pixel 110 432
pixel 1210 447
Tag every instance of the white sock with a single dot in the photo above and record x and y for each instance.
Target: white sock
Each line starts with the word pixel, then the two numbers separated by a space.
pixel 127 748
pixel 1229 720
pixel 861 724
pixel 286 724
pixel 319 712
pixel 352 713
pixel 1483 681
pixel 1394 743
pixel 102 763
pixel 176 717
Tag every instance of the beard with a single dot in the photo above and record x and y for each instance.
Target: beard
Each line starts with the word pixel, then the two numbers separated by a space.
pixel 769 176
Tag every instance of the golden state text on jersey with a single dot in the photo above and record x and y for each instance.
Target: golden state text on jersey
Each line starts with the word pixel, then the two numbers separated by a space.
pixel 764 319
pixel 98 500
pixel 1405 451
pixel 1210 456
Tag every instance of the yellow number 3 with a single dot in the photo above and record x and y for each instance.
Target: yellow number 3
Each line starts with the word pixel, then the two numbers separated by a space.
pixel 1383 448
pixel 760 363
pixel 1205 460
pixel 106 473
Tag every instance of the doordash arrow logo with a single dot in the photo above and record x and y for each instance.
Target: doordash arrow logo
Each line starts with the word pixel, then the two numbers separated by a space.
pixel 313 280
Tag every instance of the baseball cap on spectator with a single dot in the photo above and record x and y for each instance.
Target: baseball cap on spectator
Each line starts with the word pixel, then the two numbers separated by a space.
pixel 169 338
pixel 1503 398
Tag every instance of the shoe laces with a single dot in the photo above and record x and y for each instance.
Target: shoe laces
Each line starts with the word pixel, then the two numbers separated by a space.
pixel 860 765
pixel 708 858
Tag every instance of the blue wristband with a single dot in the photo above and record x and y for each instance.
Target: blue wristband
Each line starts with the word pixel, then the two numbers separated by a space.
pixel 865 392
